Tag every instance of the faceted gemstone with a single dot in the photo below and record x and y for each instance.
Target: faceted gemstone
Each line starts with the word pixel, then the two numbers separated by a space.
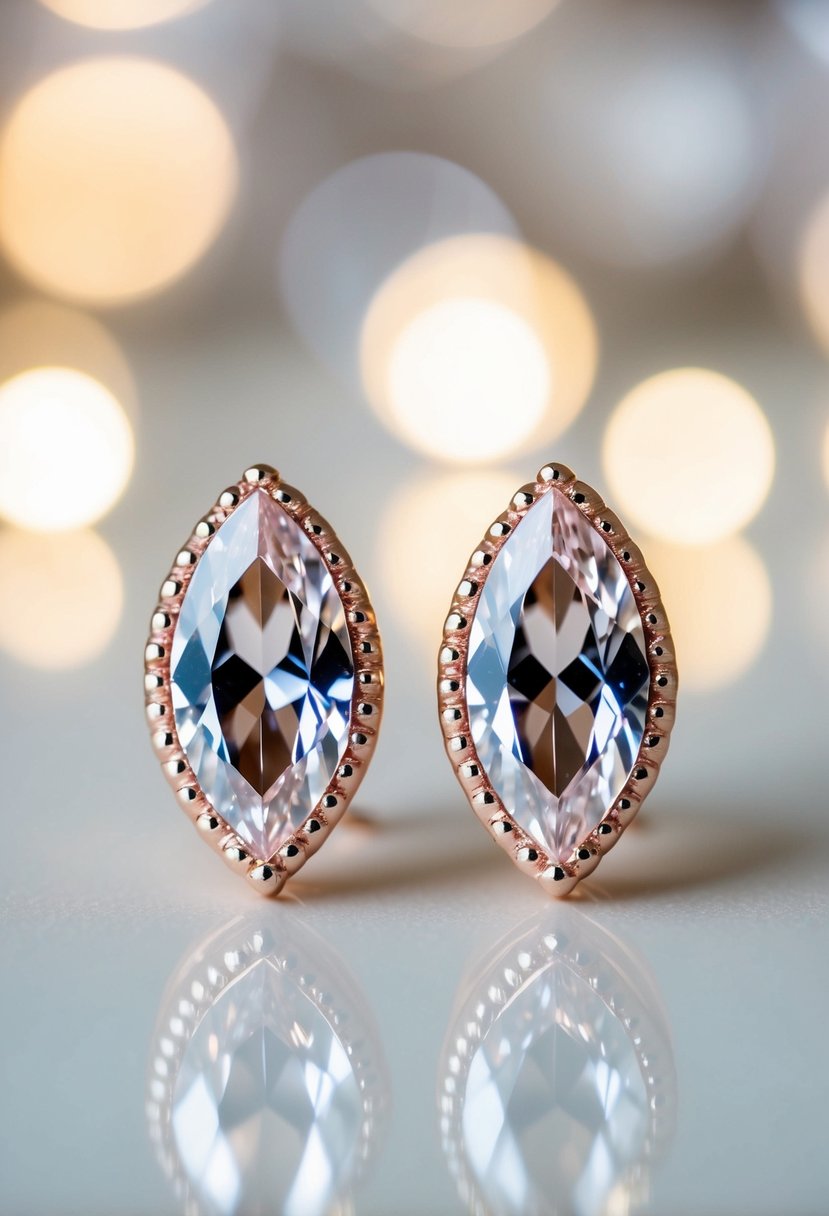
pixel 557 677
pixel 555 1111
pixel 262 674
pixel 266 1108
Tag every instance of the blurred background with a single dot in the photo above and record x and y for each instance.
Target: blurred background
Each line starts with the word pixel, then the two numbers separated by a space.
pixel 407 250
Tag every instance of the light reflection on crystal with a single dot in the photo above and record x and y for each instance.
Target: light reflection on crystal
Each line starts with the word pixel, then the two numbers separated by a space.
pixel 557 679
pixel 265 1081
pixel 262 674
pixel 558 1084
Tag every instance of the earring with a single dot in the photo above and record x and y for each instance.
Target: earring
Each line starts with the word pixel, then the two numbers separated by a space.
pixel 557 681
pixel 264 679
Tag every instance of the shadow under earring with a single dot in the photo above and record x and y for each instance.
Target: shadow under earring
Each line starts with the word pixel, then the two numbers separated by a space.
pixel 557 681
pixel 264 678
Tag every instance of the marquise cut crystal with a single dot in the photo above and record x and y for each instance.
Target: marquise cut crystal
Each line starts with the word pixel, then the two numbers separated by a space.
pixel 262 674
pixel 557 676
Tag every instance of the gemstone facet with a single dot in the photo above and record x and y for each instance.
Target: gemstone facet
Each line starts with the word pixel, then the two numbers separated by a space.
pixel 266 1111
pixel 557 676
pixel 262 674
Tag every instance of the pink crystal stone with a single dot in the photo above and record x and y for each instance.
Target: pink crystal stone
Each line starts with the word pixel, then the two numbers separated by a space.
pixel 262 674
pixel 557 677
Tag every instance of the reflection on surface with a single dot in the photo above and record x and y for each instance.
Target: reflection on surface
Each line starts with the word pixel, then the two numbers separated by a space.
pixel 62 597
pixel 265 1079
pixel 557 1088
pixel 116 175
pixel 689 455
pixel 476 347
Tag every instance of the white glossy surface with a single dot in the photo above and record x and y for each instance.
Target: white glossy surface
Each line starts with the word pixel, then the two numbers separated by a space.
pixel 721 891
pixel 719 898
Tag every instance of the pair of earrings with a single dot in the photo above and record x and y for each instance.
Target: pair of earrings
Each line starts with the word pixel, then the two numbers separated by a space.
pixel 556 683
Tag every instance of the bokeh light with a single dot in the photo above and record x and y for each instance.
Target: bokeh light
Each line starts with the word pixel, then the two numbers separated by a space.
pixel 689 456
pixel 62 597
pixel 477 347
pixel 121 14
pixel 432 525
pixel 814 270
pixel 814 575
pixel 463 24
pixel 66 449
pixel 404 44
pixel 640 135
pixel 41 333
pixel 352 231
pixel 719 603
pixel 116 175
pixel 467 378
pixel 809 22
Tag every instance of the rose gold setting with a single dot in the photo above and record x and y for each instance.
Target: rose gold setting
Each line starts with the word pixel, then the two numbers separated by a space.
pixel 267 874
pixel 559 878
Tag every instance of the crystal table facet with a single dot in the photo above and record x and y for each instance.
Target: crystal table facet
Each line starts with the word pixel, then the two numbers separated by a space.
pixel 557 676
pixel 262 674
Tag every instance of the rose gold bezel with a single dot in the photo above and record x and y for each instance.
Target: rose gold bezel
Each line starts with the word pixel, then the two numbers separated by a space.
pixel 526 853
pixel 267 874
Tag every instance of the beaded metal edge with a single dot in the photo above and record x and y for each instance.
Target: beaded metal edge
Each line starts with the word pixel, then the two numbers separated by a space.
pixel 623 986
pixel 267 874
pixel 199 981
pixel 525 852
